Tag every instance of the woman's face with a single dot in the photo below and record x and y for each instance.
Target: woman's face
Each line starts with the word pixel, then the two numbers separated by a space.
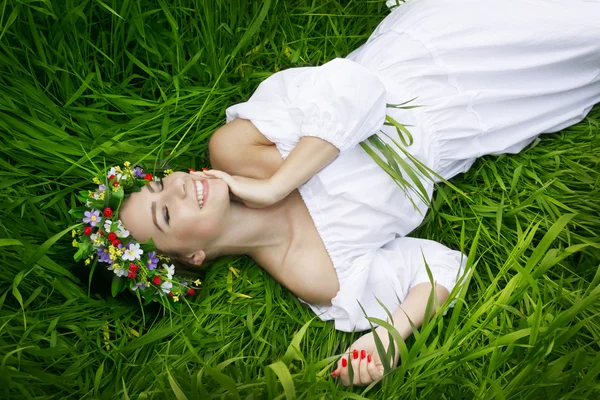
pixel 170 212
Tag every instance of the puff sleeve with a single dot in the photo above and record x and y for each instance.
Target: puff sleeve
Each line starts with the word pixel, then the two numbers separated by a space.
pixel 341 102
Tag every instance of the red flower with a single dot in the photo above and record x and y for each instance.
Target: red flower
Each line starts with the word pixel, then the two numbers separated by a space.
pixel 131 275
pixel 101 232
pixel 191 292
pixel 112 236
pixel 171 294
pixel 115 183
pixel 87 230
pixel 116 242
pixel 107 212
pixel 110 178
pixel 156 280
pixel 148 177
pixel 133 267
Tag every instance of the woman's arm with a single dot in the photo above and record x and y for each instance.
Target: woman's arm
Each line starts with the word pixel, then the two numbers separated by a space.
pixel 363 354
pixel 308 157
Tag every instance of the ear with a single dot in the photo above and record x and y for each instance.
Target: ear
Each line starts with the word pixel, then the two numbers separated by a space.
pixel 196 258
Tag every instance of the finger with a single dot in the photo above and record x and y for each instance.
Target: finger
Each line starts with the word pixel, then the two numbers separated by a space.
pixel 198 173
pixel 374 372
pixel 213 173
pixel 356 367
pixel 363 372
pixel 344 371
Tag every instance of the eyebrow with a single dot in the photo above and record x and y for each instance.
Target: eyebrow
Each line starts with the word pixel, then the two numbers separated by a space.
pixel 153 207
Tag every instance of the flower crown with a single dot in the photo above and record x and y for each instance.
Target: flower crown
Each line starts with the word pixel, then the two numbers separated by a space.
pixel 103 239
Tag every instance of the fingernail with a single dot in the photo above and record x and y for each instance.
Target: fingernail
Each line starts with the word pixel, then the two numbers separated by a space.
pixel 355 354
pixel 369 358
pixel 192 169
pixel 363 354
pixel 333 375
pixel 344 363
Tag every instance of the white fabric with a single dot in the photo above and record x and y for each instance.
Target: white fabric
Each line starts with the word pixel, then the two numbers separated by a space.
pixel 488 76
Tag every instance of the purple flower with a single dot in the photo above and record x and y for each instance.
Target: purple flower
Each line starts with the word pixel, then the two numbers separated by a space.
pixel 138 172
pixel 184 283
pixel 103 255
pixel 139 285
pixel 101 188
pixel 92 217
pixel 152 260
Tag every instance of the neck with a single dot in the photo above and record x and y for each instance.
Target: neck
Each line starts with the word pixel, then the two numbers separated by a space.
pixel 251 232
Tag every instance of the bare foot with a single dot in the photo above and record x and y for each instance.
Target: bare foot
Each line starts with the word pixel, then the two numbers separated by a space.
pixel 364 358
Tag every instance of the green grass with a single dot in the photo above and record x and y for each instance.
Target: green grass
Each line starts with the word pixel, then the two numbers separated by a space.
pixel 112 80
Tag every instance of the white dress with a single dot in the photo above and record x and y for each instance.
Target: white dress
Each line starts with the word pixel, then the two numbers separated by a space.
pixel 488 76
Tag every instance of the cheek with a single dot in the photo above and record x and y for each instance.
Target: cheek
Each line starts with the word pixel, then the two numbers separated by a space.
pixel 200 228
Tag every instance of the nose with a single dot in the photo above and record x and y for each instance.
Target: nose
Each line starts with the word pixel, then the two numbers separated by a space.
pixel 177 188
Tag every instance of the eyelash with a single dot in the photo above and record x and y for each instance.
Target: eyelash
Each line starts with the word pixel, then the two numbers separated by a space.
pixel 166 214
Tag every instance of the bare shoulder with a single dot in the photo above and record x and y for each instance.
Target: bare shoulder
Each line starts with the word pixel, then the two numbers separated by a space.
pixel 239 148
pixel 240 131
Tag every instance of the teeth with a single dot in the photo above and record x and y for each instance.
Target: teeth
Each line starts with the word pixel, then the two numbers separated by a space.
pixel 200 193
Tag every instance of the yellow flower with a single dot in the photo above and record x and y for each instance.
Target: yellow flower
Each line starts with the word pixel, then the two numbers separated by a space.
pixel 127 163
pixel 88 261
pixel 114 189
pixel 176 298
pixel 118 169
pixel 75 243
pixel 96 181
pixel 168 172
pixel 73 233
pixel 196 282
pixel 113 257
pixel 101 196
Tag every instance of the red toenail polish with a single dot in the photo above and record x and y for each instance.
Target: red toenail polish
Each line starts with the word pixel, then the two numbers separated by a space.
pixel 344 363
pixel 333 374
pixel 355 354
pixel 204 169
pixel 363 354
pixel 369 358
pixel 192 169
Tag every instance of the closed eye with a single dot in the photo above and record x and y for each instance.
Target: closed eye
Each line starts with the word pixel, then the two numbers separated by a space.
pixel 165 209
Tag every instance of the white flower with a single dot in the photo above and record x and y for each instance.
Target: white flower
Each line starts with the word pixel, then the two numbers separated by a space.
pixel 133 252
pixel 114 172
pixel 170 270
pixel 96 238
pixel 166 286
pixel 121 231
pixel 88 203
pixel 118 271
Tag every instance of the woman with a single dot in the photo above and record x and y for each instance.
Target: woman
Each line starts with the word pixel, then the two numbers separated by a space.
pixel 293 189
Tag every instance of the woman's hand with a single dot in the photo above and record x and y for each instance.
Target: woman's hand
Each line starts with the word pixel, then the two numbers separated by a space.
pixel 366 363
pixel 254 193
